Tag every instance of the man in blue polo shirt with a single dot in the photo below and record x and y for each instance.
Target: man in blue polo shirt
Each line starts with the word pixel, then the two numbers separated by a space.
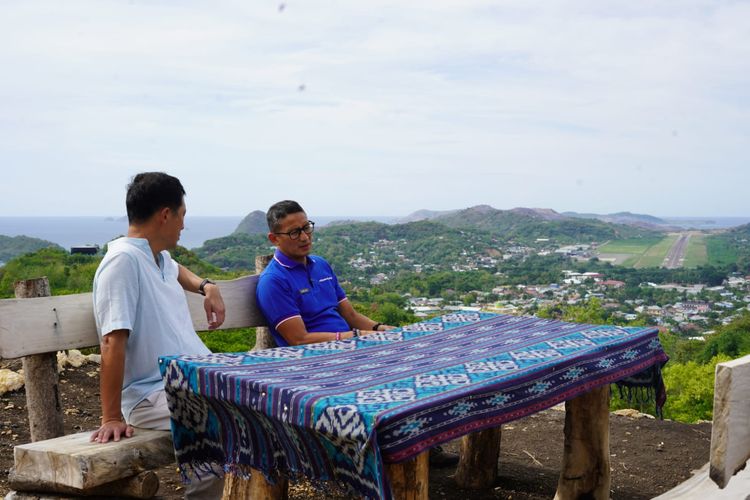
pixel 299 293
pixel 301 298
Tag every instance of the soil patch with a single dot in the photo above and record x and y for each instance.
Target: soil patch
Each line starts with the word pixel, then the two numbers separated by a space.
pixel 648 457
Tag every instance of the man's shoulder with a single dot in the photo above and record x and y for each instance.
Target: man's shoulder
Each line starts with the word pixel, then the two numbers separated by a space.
pixel 273 273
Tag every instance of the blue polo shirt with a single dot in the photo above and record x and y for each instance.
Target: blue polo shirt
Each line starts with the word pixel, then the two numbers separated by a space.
pixel 288 289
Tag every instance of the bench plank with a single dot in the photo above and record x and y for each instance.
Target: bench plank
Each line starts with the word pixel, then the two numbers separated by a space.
pixel 730 432
pixel 50 324
pixel 143 485
pixel 73 461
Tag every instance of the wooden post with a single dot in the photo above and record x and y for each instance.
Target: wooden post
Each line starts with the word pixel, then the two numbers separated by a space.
pixel 40 376
pixel 238 488
pixel 410 480
pixel 477 468
pixel 263 337
pixel 585 468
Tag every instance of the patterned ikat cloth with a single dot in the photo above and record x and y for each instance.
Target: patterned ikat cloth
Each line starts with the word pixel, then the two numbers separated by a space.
pixel 336 411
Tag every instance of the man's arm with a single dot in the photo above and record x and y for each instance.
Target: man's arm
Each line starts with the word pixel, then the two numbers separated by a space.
pixel 294 332
pixel 110 388
pixel 213 304
pixel 359 320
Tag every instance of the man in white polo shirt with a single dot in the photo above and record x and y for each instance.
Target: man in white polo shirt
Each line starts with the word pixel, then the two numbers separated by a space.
pixel 141 314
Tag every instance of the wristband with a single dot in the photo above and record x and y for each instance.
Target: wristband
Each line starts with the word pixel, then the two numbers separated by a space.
pixel 338 335
pixel 202 286
pixel 376 326
pixel 355 332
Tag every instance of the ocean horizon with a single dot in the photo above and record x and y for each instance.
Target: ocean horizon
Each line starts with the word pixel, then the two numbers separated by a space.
pixel 69 231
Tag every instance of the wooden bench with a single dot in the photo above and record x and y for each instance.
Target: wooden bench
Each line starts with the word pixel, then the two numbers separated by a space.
pixel 35 326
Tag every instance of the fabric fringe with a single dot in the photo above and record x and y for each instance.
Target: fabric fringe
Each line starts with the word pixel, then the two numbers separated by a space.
pixel 645 387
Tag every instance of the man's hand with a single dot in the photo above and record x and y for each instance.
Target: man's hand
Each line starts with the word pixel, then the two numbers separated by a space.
pixel 114 429
pixel 214 306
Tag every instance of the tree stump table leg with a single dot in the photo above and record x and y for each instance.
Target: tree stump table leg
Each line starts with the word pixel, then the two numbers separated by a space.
pixel 410 480
pixel 585 469
pixel 477 468
pixel 255 487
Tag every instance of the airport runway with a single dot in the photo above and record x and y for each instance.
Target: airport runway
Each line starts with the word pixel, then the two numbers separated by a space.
pixel 676 255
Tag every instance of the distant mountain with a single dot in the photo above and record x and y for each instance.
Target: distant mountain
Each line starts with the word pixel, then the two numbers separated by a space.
pixel 628 218
pixel 18 245
pixel 529 224
pixel 424 215
pixel 253 223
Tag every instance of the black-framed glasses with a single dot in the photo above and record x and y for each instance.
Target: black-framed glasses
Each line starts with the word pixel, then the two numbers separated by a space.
pixel 295 233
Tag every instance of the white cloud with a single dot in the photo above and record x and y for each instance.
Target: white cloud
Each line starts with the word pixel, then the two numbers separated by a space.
pixel 428 104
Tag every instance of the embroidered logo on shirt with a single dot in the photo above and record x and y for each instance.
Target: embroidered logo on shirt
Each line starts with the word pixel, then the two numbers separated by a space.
pixel 304 290
pixel 321 280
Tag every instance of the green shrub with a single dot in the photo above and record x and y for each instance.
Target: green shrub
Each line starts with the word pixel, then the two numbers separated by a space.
pixel 230 340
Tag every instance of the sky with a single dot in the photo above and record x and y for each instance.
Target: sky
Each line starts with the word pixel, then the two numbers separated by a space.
pixel 377 107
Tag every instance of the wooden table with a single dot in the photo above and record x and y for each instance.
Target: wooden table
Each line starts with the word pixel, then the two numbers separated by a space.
pixel 364 412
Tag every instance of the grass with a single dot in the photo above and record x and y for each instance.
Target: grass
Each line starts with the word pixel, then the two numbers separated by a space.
pixel 633 246
pixel 697 253
pixel 229 340
pixel 654 256
pixel 719 252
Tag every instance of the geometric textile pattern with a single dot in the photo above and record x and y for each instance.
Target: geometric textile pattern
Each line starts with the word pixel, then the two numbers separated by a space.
pixel 337 411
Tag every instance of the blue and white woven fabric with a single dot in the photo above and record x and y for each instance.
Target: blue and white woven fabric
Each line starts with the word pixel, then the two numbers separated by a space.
pixel 339 410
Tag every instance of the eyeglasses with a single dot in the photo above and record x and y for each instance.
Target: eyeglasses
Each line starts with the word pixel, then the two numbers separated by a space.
pixel 295 233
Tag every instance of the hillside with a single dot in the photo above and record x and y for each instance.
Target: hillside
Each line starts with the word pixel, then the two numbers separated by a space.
pixel 253 223
pixel 730 247
pixel 440 240
pixel 12 246
pixel 526 225
pixel 423 242
pixel 627 218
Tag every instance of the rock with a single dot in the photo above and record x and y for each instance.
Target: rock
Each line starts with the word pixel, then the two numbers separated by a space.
pixel 10 381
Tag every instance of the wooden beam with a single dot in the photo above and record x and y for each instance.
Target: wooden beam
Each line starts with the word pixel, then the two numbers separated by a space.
pixel 410 480
pixel 74 461
pixel 263 337
pixel 237 487
pixel 477 467
pixel 51 324
pixel 730 432
pixel 42 384
pixel 585 468
pixel 143 485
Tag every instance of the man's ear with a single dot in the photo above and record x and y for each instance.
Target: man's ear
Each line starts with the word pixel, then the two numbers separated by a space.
pixel 164 213
pixel 273 238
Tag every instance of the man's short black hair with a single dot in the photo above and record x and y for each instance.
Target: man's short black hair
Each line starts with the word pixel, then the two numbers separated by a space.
pixel 280 210
pixel 149 192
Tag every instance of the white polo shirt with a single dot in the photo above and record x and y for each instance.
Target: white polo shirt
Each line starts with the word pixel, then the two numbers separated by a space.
pixel 132 293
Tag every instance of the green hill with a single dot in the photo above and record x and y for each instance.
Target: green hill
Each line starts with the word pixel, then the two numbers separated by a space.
pixel 75 273
pixel 730 248
pixel 18 245
pixel 527 225
pixel 441 242
pixel 253 223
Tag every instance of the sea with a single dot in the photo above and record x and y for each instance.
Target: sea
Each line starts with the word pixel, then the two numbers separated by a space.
pixel 77 231
pixel 706 223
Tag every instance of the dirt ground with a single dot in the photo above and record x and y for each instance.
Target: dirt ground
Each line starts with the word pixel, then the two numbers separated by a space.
pixel 648 457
